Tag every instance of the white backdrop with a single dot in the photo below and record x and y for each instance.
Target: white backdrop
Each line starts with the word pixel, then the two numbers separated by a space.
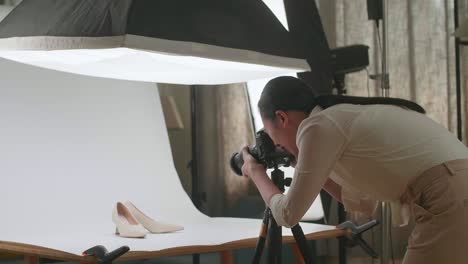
pixel 71 146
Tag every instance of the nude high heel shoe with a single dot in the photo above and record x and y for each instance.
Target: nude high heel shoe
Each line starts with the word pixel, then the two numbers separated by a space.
pixel 150 224
pixel 126 224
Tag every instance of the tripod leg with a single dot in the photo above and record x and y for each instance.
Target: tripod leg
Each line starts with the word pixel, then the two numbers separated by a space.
pixel 302 243
pixel 274 242
pixel 341 240
pixel 261 238
pixel 226 257
pixel 196 259
pixel 297 254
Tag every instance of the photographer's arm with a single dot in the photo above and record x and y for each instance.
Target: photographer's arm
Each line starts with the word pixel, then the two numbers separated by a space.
pixel 321 143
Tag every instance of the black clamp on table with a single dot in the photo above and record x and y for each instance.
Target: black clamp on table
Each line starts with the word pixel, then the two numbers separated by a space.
pixel 356 235
pixel 104 257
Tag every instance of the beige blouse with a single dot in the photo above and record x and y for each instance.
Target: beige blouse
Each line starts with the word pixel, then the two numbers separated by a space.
pixel 372 151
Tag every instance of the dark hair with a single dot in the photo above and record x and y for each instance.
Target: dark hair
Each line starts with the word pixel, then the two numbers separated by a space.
pixel 289 93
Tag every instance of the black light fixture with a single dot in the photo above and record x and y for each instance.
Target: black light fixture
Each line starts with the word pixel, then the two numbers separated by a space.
pixel 346 60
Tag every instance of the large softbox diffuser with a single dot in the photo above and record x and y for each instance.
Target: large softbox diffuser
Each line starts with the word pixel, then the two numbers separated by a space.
pixel 176 41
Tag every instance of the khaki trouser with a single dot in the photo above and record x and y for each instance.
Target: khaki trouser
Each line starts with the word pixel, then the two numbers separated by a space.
pixel 439 199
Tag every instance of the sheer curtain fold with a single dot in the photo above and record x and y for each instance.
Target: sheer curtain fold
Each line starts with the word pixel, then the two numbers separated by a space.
pixel 224 126
pixel 237 130
pixel 420 52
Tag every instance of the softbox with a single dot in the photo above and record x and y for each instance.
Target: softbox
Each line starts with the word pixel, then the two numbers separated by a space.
pixel 176 41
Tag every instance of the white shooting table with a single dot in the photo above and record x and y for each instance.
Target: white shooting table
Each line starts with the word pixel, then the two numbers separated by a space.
pixel 72 146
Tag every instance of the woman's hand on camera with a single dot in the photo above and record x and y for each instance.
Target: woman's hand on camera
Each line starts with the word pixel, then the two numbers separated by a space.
pixel 257 172
pixel 251 167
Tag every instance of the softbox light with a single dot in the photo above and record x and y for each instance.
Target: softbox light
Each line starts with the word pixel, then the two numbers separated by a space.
pixel 176 41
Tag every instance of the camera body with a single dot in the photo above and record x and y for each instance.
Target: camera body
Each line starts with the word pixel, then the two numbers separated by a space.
pixel 265 152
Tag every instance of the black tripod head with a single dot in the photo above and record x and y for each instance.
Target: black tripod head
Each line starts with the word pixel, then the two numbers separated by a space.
pixel 277 176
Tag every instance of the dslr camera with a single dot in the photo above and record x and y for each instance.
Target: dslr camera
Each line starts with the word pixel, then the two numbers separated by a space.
pixel 265 152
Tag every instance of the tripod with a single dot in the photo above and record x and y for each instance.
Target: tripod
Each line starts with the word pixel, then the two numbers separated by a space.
pixel 271 233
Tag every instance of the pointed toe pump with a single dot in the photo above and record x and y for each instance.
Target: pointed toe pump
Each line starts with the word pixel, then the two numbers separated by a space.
pixel 150 224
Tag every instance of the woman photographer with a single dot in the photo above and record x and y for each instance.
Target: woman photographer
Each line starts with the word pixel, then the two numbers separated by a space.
pixel 362 150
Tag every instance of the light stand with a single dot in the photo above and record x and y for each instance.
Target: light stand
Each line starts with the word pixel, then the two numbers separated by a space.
pixel 385 92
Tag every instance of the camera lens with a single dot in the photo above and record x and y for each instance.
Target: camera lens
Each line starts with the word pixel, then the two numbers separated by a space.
pixel 236 163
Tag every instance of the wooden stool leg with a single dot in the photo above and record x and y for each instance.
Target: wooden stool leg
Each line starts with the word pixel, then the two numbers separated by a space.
pixel 31 260
pixel 226 257
pixel 297 254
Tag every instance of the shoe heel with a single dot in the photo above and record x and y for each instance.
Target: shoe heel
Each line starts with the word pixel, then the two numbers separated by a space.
pixel 125 223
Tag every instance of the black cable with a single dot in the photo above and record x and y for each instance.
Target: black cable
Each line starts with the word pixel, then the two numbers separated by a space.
pixel 373 244
pixel 194 137
pixel 458 76
pixel 391 246
pixel 378 38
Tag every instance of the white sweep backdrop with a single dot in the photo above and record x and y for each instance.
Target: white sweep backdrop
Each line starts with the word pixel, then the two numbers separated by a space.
pixel 71 146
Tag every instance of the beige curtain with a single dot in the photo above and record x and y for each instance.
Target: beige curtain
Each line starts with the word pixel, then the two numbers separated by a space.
pixel 236 129
pixel 421 53
pixel 224 125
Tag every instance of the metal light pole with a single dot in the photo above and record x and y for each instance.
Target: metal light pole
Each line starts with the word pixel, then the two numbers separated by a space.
pixel 385 86
pixel 458 74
